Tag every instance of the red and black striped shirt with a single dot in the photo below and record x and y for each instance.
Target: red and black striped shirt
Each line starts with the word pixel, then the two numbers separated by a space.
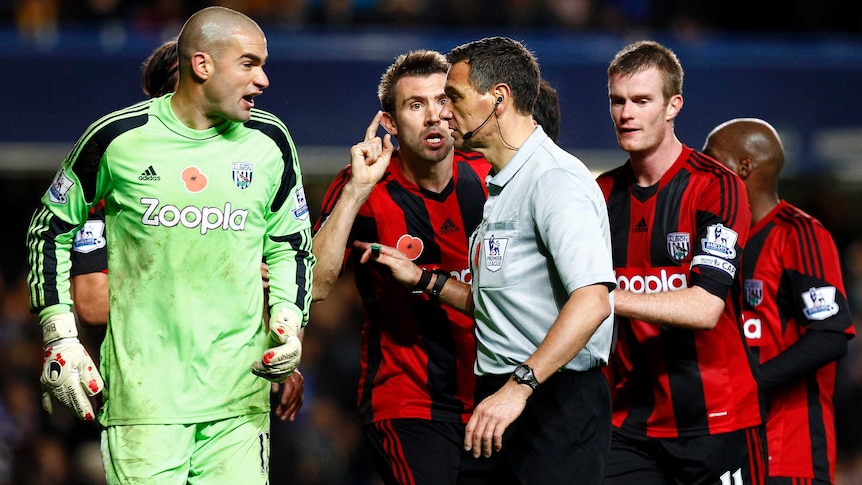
pixel 793 286
pixel 687 230
pixel 417 355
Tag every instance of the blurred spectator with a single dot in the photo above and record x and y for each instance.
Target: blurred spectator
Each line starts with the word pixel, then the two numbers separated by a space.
pixel 162 16
pixel 572 14
pixel 524 13
pixel 37 18
pixel 403 12
pixel 338 13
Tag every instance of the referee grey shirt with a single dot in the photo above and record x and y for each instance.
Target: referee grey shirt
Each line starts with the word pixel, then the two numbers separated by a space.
pixel 544 234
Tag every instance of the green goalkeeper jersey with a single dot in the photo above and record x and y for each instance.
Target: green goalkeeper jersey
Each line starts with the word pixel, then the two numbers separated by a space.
pixel 189 217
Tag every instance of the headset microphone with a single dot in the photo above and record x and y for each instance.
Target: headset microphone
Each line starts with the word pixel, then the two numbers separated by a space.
pixel 470 133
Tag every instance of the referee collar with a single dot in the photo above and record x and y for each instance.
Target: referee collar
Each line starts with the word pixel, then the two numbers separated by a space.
pixel 496 182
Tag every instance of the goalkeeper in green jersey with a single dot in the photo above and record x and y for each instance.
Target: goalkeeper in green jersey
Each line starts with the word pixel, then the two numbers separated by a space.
pixel 199 188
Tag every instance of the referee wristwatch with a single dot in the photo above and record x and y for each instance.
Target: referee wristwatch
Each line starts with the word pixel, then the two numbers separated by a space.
pixel 523 374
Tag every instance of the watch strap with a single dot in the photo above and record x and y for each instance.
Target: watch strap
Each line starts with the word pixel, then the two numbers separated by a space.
pixel 438 285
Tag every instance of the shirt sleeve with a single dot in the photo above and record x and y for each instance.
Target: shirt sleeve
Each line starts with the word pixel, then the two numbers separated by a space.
pixel 64 209
pixel 287 243
pixel 813 269
pixel 571 220
pixel 333 193
pixel 812 351
pixel 723 220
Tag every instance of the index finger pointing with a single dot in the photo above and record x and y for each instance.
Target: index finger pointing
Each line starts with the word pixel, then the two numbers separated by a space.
pixel 371 132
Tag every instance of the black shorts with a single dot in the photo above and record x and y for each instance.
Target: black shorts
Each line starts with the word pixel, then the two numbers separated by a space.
pixel 734 458
pixel 416 451
pixel 562 436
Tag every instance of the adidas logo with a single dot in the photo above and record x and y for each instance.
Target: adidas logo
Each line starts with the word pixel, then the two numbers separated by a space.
pixel 149 174
pixel 641 226
pixel 448 227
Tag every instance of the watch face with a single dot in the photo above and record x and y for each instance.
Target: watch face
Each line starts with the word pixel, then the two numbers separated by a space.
pixel 524 375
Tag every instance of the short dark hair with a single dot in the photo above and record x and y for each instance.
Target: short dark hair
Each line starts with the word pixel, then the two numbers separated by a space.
pixel 646 54
pixel 160 70
pixel 420 63
pixel 496 60
pixel 546 112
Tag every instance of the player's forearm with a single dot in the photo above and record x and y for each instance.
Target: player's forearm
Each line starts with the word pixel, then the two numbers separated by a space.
pixel 692 308
pixel 49 239
pixel 331 240
pixel 578 320
pixel 90 294
pixel 812 351
pixel 456 294
pixel 291 266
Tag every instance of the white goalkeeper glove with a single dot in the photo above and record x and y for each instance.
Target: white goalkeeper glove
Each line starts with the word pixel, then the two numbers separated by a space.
pixel 285 349
pixel 68 372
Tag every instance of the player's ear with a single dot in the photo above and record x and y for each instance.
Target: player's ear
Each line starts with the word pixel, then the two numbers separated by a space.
pixel 674 106
pixel 744 167
pixel 201 65
pixel 388 123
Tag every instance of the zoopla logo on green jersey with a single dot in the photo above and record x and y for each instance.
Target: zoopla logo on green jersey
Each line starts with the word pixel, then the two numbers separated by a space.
pixel 191 217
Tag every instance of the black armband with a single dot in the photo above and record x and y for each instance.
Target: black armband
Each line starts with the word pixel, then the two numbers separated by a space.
pixel 423 282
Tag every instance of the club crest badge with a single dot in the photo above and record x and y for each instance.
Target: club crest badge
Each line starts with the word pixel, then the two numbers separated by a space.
pixel 241 174
pixel 819 303
pixel 495 251
pixel 678 245
pixel 720 241
pixel 753 292
pixel 60 187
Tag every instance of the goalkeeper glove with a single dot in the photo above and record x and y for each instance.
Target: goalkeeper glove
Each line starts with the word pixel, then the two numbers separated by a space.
pixel 285 349
pixel 68 372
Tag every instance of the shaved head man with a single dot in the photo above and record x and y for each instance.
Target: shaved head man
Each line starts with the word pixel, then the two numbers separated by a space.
pixel 221 57
pixel 751 148
pixel 795 312
pixel 197 183
pixel 212 28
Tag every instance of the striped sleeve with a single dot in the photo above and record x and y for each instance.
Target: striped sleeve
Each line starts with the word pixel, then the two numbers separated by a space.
pixel 814 273
pixel 287 246
pixel 723 221
pixel 76 187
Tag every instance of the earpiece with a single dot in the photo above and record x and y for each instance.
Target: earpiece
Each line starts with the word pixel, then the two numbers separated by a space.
pixel 470 133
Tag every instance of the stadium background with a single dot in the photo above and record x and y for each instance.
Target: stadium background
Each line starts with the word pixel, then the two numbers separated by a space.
pixel 797 64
